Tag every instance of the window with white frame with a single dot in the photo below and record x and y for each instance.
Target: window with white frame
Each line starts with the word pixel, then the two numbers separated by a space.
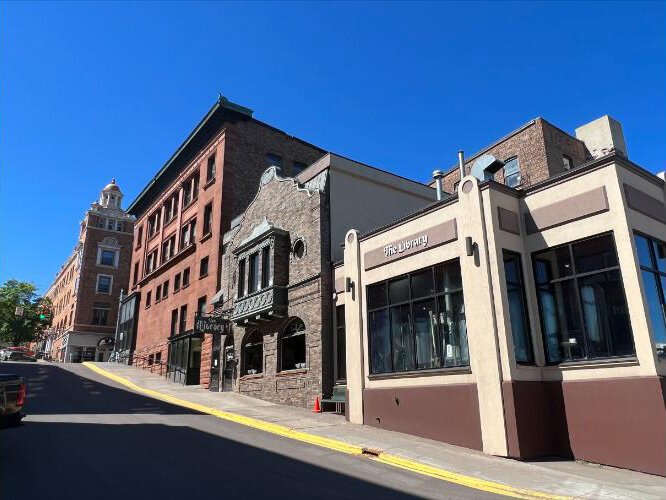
pixel 107 257
pixel 104 283
pixel 512 172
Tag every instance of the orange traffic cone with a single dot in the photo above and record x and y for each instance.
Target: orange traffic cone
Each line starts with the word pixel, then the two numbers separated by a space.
pixel 317 408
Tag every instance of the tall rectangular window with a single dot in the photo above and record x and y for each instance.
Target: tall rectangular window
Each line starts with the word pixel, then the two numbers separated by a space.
pixel 183 319
pixel 265 267
pixel 139 236
pixel 520 325
pixel 652 260
pixel 174 322
pixel 208 219
pixel 582 305
pixel 136 273
pixel 158 293
pixel 188 234
pixel 203 267
pixel 210 168
pixel 148 298
pixel 253 273
pixel 241 277
pixel 340 345
pixel 417 321
pixel 176 283
pixel 186 277
pixel 201 305
pixel 165 289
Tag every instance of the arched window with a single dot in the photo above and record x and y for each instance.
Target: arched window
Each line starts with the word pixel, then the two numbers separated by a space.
pixel 292 345
pixel 512 172
pixel 253 354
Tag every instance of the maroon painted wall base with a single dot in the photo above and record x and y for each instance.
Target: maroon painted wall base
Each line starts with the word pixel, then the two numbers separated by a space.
pixel 619 422
pixel 447 413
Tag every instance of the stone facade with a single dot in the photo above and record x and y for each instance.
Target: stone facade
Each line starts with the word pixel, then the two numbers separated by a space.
pixel 241 146
pixel 291 221
pixel 539 147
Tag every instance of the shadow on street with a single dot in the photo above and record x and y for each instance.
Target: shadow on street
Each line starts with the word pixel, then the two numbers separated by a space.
pixel 52 389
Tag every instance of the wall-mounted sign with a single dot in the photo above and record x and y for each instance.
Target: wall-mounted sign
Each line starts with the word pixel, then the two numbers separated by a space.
pixel 393 249
pixel 210 324
pixel 423 240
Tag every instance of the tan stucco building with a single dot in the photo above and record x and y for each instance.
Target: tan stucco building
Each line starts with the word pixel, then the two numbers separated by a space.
pixel 523 323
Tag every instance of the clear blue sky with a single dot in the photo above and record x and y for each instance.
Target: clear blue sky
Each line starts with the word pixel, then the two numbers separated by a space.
pixel 90 91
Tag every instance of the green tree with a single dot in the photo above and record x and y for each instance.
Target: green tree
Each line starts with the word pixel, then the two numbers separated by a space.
pixel 16 330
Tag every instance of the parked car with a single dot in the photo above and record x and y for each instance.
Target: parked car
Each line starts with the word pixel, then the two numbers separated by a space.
pixel 18 356
pixel 12 398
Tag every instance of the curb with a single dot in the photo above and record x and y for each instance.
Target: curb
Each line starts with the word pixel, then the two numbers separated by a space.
pixel 336 445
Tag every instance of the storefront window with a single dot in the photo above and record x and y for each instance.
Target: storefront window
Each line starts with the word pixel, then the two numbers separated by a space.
pixel 253 354
pixel 417 321
pixel 582 304
pixel 292 345
pixel 520 325
pixel 652 259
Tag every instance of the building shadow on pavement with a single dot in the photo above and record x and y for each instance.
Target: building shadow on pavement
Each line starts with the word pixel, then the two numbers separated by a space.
pixel 159 461
pixel 55 390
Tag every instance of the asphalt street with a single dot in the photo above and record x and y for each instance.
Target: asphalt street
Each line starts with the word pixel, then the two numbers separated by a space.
pixel 86 437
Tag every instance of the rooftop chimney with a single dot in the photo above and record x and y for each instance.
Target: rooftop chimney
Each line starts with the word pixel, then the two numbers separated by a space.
pixel 438 175
pixel 603 136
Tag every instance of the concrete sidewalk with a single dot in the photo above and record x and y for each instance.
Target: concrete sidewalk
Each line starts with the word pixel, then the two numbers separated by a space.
pixel 565 478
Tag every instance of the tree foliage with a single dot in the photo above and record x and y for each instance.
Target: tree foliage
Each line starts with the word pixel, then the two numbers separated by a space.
pixel 16 330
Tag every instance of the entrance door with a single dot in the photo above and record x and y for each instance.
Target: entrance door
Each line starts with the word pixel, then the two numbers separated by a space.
pixel 229 364
pixel 215 365
pixel 194 366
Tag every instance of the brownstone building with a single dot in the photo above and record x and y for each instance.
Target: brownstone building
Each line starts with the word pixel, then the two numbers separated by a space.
pixel 182 215
pixel 86 290
pixel 276 284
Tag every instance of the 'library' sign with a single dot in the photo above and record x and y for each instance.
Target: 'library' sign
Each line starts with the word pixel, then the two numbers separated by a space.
pixel 429 238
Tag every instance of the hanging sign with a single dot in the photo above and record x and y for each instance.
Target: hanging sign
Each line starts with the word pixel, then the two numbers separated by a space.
pixel 210 324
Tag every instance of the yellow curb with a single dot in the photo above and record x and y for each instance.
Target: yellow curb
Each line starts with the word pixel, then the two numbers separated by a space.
pixel 334 444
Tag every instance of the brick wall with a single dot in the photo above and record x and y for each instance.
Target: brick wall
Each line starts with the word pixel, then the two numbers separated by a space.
pixel 539 147
pixel 241 146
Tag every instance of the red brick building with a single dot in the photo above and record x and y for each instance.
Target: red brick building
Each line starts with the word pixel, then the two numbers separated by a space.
pixel 87 288
pixel 182 215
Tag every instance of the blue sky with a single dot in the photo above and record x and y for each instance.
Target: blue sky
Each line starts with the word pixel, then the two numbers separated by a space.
pixel 90 91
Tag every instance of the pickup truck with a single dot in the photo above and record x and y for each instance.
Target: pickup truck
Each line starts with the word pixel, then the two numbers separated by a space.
pixel 12 398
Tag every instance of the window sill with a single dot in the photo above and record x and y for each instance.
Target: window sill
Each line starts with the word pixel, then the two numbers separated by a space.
pixel 152 237
pixel 253 376
pixel 148 306
pixel 176 291
pixel 206 237
pixel 185 286
pixel 421 373
pixel 209 183
pixel 202 276
pixel 295 371
pixel 107 266
pixel 595 363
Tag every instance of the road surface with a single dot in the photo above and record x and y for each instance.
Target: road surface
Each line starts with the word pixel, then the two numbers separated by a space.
pixel 86 437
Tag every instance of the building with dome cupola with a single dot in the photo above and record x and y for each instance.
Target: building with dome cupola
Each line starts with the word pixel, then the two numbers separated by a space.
pixel 86 291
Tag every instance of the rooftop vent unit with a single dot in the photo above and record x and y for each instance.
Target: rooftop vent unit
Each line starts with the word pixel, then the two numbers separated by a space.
pixel 486 166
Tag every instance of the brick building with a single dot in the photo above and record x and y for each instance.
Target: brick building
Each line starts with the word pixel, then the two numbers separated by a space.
pixel 276 283
pixel 86 290
pixel 181 216
pixel 532 153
